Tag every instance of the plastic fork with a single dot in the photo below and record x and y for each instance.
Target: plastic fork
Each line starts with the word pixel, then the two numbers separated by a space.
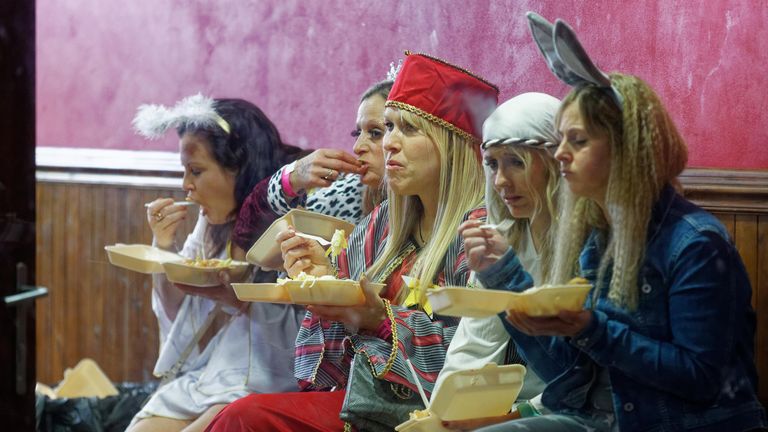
pixel 322 241
pixel 178 203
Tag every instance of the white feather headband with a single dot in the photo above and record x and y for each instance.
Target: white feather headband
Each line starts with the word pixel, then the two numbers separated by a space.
pixel 152 121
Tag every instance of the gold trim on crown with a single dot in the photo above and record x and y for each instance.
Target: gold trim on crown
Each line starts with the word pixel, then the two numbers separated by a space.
pixel 435 119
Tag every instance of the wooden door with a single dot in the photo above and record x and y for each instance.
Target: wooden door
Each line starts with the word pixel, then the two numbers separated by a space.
pixel 17 215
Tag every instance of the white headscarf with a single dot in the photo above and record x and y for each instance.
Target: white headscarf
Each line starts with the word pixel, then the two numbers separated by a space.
pixel 525 120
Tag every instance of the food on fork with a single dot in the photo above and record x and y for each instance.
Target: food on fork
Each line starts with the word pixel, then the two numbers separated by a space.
pixel 418 414
pixel 306 279
pixel 338 243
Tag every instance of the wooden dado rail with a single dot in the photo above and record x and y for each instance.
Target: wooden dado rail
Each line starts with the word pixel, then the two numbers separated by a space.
pixel 103 312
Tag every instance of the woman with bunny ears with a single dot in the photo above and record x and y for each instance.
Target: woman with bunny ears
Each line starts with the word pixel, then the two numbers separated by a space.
pixel 666 342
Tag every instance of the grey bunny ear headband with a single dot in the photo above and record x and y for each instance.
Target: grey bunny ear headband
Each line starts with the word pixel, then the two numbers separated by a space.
pixel 566 57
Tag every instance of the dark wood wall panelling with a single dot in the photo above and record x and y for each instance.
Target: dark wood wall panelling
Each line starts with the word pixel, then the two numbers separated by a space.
pixel 94 309
pixel 103 312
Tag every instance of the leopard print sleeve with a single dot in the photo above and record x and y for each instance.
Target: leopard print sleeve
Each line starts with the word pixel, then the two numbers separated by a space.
pixel 277 200
pixel 342 199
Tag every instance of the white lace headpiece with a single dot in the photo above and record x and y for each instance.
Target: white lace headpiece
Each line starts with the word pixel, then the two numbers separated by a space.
pixel 152 121
pixel 394 69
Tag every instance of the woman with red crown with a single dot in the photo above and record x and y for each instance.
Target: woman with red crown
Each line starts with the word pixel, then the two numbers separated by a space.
pixel 435 181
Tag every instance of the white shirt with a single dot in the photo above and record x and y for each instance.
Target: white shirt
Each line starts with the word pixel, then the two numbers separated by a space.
pixel 479 341
pixel 252 352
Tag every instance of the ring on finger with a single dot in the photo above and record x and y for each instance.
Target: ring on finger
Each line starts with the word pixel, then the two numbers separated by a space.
pixel 328 175
pixel 159 216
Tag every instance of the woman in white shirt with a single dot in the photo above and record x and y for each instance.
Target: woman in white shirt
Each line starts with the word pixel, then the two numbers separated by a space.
pixel 521 188
pixel 214 348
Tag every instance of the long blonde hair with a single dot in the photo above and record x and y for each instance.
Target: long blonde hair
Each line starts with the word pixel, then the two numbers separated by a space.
pixel 547 203
pixel 647 153
pixel 460 190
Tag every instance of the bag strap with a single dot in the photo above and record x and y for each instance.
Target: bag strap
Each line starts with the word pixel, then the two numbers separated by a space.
pixel 171 373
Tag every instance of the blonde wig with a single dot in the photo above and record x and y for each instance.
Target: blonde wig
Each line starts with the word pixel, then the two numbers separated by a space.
pixel 545 203
pixel 460 190
pixel 647 153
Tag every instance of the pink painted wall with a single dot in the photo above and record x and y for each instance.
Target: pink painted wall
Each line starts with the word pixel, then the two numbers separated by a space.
pixel 306 62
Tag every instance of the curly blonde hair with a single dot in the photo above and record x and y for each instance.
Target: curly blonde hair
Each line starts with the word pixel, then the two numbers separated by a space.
pixel 460 190
pixel 647 153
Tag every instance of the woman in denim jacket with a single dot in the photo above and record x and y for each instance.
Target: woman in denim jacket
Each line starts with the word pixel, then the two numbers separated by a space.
pixel 666 342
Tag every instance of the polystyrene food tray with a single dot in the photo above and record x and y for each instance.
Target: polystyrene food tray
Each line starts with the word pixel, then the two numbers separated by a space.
pixel 139 258
pixel 333 292
pixel 261 292
pixel 85 380
pixel 266 251
pixel 476 393
pixel 549 300
pixel 183 273
pixel 539 301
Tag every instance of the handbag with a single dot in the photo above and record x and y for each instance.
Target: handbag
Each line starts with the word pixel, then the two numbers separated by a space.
pixel 373 404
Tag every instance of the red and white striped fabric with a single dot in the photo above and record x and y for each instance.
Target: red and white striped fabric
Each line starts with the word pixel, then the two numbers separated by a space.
pixel 324 349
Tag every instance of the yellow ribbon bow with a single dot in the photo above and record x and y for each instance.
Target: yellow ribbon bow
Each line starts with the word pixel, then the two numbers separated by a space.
pixel 414 295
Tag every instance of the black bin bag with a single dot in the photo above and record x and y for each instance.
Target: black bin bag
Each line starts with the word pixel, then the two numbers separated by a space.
pixel 91 414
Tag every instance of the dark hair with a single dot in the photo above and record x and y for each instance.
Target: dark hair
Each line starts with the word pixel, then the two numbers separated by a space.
pixel 381 88
pixel 252 149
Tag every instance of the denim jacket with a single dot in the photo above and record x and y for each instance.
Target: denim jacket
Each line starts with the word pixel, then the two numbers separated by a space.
pixel 684 359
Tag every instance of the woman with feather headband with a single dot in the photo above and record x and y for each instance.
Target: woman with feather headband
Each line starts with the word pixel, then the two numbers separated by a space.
pixel 214 348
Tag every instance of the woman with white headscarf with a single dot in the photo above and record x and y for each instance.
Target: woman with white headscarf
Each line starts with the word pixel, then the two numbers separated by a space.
pixel 522 181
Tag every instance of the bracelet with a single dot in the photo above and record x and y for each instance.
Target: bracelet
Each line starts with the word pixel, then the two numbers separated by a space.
pixel 393 354
pixel 285 181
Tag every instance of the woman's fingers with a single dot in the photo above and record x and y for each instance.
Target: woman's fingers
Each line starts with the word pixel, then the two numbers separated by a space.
pixel 285 235
pixel 323 167
pixel 154 209
pixel 296 254
pixel 339 161
pixel 306 265
pixel 476 233
pixel 469 224
pixel 292 243
pixel 475 253
pixel 372 297
pixel 546 326
pixel 162 213
pixel 224 278
pixel 295 263
pixel 515 318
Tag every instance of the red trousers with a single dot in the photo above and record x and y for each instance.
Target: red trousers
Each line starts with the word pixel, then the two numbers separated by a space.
pixel 300 411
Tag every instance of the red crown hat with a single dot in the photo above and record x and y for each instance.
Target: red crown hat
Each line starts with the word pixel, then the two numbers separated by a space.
pixel 444 93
